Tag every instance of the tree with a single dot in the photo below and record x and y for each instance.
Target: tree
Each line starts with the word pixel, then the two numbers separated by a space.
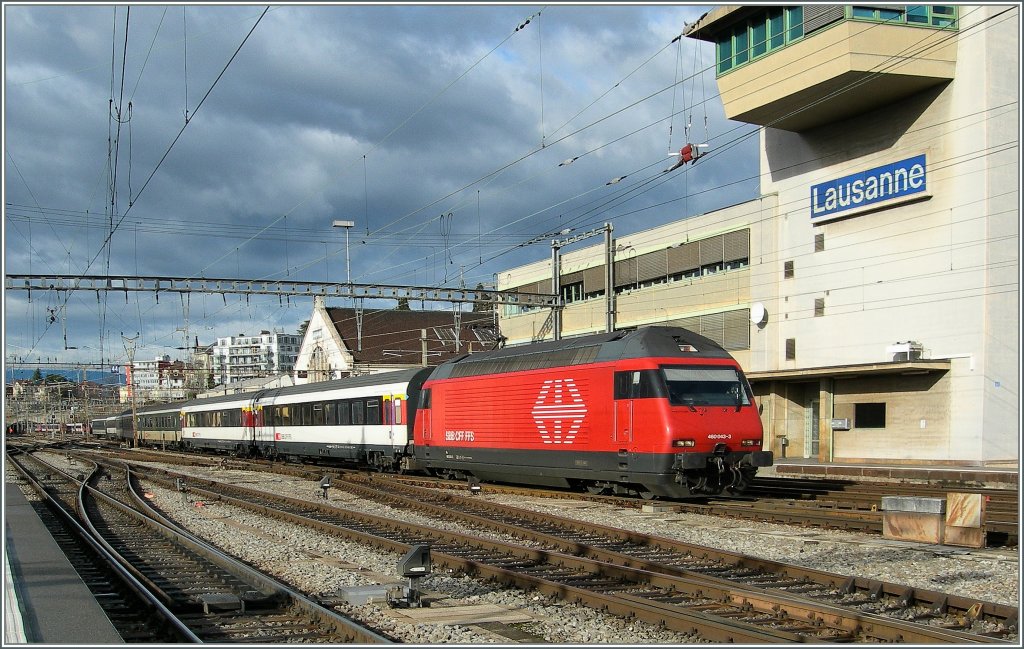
pixel 481 304
pixel 302 329
pixel 37 376
pixel 403 304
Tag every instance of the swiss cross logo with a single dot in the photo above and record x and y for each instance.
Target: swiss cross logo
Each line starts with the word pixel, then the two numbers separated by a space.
pixel 559 411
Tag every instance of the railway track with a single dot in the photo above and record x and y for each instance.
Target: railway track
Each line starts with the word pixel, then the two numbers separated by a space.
pixel 1001 505
pixel 853 510
pixel 824 503
pixel 728 601
pixel 206 595
pixel 135 614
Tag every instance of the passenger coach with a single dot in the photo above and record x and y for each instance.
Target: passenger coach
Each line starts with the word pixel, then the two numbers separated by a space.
pixel 361 419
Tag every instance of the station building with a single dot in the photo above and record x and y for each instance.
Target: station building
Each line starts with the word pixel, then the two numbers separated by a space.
pixel 871 290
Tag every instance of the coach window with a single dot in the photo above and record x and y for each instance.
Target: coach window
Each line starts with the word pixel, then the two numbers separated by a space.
pixel 307 414
pixel 318 414
pixel 357 413
pixel 330 413
pixel 344 414
pixel 398 410
pixel 284 415
pixel 372 412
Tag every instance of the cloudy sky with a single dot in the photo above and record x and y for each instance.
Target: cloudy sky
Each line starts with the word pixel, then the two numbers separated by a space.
pixel 221 142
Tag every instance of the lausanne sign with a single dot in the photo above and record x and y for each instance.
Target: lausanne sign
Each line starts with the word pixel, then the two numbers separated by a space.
pixel 831 199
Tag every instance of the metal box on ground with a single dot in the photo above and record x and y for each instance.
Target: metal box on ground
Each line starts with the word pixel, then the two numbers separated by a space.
pixel 911 518
pixel 965 520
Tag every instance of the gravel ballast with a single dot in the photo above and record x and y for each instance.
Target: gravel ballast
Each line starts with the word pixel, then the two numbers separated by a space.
pixel 323 565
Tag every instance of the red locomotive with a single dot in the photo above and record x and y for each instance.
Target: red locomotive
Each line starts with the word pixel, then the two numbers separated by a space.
pixel 655 411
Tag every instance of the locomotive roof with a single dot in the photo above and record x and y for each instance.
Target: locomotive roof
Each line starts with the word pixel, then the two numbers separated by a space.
pixel 643 342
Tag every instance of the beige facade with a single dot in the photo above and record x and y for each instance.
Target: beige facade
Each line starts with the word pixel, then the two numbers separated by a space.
pixel 828 290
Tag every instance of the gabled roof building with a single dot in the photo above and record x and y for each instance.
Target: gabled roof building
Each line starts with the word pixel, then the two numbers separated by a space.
pixel 348 341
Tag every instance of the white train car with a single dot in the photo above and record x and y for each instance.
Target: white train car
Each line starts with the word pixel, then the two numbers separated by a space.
pixel 362 419
pixel 104 427
pixel 158 425
pixel 220 424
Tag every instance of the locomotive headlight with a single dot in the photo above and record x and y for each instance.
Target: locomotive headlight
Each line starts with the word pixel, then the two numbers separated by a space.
pixel 684 443
pixel 750 442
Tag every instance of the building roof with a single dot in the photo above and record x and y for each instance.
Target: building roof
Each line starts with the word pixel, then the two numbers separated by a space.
pixel 852 371
pixel 392 337
pixel 711 23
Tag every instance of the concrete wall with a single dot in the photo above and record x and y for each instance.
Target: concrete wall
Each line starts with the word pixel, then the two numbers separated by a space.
pixel 916 424
pixel 939 270
pixel 685 298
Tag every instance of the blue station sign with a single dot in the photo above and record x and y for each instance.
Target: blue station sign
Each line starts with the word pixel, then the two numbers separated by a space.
pixel 832 198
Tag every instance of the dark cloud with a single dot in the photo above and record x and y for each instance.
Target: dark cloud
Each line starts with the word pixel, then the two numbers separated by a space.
pixel 276 151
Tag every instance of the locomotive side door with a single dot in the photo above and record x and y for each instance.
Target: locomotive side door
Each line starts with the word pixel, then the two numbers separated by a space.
pixel 423 418
pixel 624 405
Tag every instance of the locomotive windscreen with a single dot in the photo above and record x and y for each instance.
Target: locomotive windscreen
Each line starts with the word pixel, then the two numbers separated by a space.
pixel 705 386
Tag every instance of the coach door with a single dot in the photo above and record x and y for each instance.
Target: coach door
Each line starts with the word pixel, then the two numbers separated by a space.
pixel 392 414
pixel 263 429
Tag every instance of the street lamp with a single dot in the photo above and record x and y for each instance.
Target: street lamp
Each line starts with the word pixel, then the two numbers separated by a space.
pixel 348 226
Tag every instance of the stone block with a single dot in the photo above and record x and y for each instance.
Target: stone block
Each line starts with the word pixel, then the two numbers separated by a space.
pixel 914 504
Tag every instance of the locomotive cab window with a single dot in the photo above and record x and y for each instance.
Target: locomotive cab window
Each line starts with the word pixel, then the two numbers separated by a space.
pixel 639 384
pixel 706 386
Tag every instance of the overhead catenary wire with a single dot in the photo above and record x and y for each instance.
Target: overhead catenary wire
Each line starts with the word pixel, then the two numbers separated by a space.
pixel 387 136
pixel 106 243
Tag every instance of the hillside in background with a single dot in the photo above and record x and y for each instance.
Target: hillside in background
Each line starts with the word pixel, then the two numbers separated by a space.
pixel 96 376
